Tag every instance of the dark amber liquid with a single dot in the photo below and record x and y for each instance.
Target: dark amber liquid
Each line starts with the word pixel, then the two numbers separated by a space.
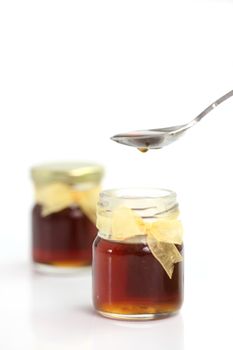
pixel 63 239
pixel 127 279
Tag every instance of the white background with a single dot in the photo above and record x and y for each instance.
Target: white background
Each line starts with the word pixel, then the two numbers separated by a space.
pixel 72 74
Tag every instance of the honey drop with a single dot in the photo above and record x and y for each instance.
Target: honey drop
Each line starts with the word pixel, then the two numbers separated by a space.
pixel 143 149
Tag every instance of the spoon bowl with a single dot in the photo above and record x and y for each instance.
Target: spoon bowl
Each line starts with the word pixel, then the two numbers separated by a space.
pixel 161 137
pixel 151 139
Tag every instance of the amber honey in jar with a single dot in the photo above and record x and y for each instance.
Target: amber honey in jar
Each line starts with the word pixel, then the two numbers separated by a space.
pixel 138 254
pixel 64 215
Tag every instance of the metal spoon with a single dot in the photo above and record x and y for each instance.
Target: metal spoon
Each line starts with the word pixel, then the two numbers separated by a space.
pixel 158 138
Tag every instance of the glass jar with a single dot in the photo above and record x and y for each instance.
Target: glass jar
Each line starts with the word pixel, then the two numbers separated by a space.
pixel 138 254
pixel 64 215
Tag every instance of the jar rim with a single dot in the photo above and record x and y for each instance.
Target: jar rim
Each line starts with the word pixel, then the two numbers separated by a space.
pixel 147 202
pixel 138 193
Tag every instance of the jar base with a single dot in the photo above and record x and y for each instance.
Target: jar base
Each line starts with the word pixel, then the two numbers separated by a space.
pixel 59 270
pixel 137 317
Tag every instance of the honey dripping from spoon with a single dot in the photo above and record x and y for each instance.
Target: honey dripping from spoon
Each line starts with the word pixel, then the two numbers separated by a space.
pixel 143 149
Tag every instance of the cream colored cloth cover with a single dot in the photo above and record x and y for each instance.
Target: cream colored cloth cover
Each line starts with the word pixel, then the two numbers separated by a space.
pixel 161 235
pixel 58 196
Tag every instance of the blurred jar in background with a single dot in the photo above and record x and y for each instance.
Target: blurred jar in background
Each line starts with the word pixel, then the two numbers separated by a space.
pixel 64 215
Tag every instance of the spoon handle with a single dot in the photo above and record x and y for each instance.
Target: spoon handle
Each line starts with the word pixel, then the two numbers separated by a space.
pixel 211 107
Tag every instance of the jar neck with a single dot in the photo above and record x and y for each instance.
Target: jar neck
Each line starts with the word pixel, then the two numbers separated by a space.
pixel 148 203
pixel 127 214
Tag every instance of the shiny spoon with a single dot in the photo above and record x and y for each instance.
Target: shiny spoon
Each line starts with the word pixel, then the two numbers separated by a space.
pixel 158 138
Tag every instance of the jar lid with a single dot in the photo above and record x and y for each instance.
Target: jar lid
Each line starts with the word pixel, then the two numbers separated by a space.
pixel 67 172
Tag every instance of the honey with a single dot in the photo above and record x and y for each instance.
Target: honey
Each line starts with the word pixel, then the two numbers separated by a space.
pixel 143 149
pixel 62 239
pixel 128 280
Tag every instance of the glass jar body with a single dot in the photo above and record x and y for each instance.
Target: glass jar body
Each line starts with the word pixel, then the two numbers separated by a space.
pixel 62 239
pixel 129 283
